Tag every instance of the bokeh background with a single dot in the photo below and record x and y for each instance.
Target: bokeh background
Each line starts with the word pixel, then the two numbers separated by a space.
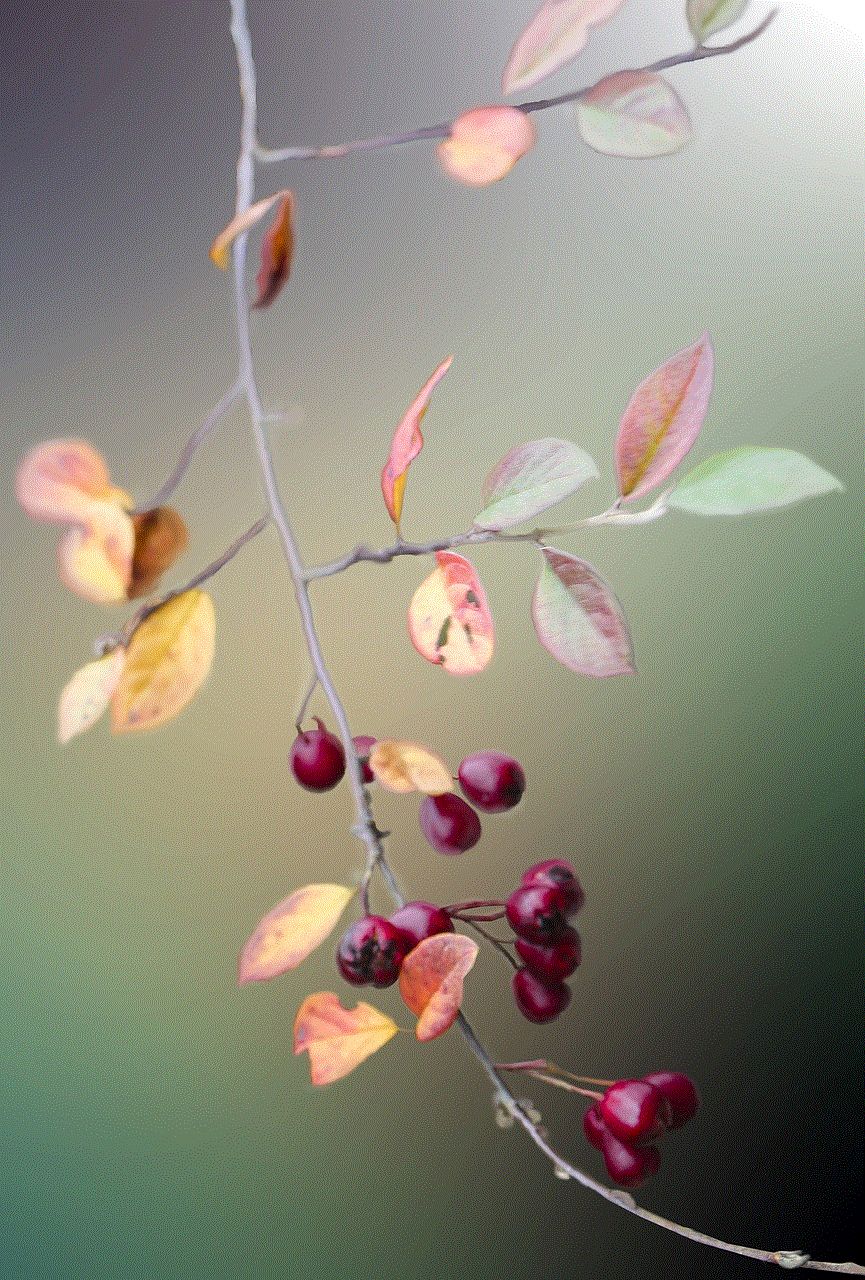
pixel 156 1123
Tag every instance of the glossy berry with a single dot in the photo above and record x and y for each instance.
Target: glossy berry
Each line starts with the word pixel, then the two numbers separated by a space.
pixel 421 920
pixel 558 873
pixel 363 744
pixel 492 781
pixel 535 912
pixel 554 962
pixel 372 951
pixel 537 1000
pixel 635 1112
pixel 449 824
pixel 681 1093
pixel 594 1127
pixel 317 758
pixel 629 1166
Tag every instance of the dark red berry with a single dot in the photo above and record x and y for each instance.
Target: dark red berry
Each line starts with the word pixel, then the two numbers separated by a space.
pixel 557 961
pixel 594 1127
pixel 372 951
pixel 363 744
pixel 492 781
pixel 450 825
pixel 635 1111
pixel 317 758
pixel 681 1093
pixel 559 873
pixel 537 1000
pixel 629 1166
pixel 421 920
pixel 535 913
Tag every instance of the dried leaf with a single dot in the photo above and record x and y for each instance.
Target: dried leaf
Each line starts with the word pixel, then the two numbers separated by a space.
pixel 747 480
pixel 276 250
pixel 59 480
pixel 556 34
pixel 338 1039
pixel 531 478
pixel 168 659
pixel 431 980
pixel 705 17
pixel 407 766
pixel 292 931
pixel 242 222
pixel 86 695
pixel 578 619
pixel 160 536
pixel 406 445
pixel 663 419
pixel 95 560
pixel 634 114
pixel 485 144
pixel 449 620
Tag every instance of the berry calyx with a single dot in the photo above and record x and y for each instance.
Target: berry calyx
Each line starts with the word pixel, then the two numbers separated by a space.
pixel 635 1112
pixel 537 1000
pixel 449 824
pixel 629 1166
pixel 680 1092
pixel 363 744
pixel 317 759
pixel 492 781
pixel 560 874
pixel 535 912
pixel 421 920
pixel 553 962
pixel 372 951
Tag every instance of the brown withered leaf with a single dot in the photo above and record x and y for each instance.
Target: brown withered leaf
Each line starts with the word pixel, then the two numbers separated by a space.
pixel 276 250
pixel 160 536
pixel 167 661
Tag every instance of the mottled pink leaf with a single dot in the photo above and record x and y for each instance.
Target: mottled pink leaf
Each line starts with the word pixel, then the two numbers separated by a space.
pixel 406 445
pixel 338 1039
pixel 634 114
pixel 276 250
pixel 556 34
pixel 578 619
pixel 449 620
pixel 530 478
pixel 431 981
pixel 485 144
pixel 59 480
pixel 663 419
pixel 292 931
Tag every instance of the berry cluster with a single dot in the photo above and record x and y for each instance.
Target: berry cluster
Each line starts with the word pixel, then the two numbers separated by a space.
pixel 538 912
pixel 373 948
pixel 630 1117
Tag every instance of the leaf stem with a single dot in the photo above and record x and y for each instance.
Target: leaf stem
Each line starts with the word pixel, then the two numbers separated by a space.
pixel 228 401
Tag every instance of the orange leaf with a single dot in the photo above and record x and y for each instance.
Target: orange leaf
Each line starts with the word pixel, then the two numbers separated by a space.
pixel 59 480
pixel 276 250
pixel 431 980
pixel 407 766
pixel 338 1039
pixel 292 931
pixel 86 695
pixel 95 558
pixel 449 620
pixel 160 536
pixel 167 661
pixel 242 222
pixel 406 445
pixel 485 144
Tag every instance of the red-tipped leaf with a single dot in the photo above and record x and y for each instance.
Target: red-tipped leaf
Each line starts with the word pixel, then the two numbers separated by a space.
pixel 406 445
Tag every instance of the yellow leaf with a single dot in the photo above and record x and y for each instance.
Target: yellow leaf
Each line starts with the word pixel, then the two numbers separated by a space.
pixel 407 766
pixel 168 658
pixel 338 1039
pixel 86 695
pixel 95 559
pixel 292 931
pixel 449 620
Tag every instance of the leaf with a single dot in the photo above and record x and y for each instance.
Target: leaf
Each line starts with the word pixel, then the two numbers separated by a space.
pixel 705 17
pixel 408 766
pixel 86 695
pixel 406 445
pixel 160 536
pixel 292 931
pixel 663 419
pixel 578 619
pixel 633 113
pixel 431 981
pixel 449 620
pixel 168 658
pixel 485 144
pixel 556 34
pixel 59 480
pixel 276 250
pixel 746 480
pixel 95 559
pixel 531 478
pixel 242 222
pixel 338 1039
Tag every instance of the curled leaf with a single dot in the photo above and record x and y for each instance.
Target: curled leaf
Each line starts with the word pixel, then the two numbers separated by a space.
pixel 555 35
pixel 663 419
pixel 705 17
pixel 95 559
pixel 531 478
pixel 578 619
pixel 292 931
pixel 406 445
pixel 59 480
pixel 337 1039
pixel 633 113
pixel 86 695
pixel 160 536
pixel 431 980
pixel 449 620
pixel 407 766
pixel 485 144
pixel 276 250
pixel 242 222
pixel 167 661
pixel 747 480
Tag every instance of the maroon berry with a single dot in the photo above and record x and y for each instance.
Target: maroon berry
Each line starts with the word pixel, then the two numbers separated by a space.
pixel 317 758
pixel 372 951
pixel 535 913
pixel 492 781
pixel 450 825
pixel 629 1166
pixel 681 1093
pixel 421 920
pixel 557 961
pixel 558 873
pixel 594 1127
pixel 537 1000
pixel 635 1112
pixel 363 744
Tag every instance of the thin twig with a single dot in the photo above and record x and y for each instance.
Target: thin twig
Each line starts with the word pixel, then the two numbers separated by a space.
pixel 230 398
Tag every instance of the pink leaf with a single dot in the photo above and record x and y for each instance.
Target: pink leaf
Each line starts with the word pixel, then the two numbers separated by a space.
pixel 60 480
pixel 292 931
pixel 406 445
pixel 578 619
pixel 633 114
pixel 449 620
pixel 556 34
pixel 485 144
pixel 276 250
pixel 431 981
pixel 663 419
pixel 338 1039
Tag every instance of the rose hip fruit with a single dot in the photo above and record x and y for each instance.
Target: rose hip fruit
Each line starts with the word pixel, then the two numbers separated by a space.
pixel 535 913
pixel 635 1112
pixel 560 874
pixel 363 744
pixel 629 1166
pixel 681 1093
pixel 421 920
pixel 537 1000
pixel 492 781
pixel 554 962
pixel 371 952
pixel 317 758
pixel 449 824
pixel 594 1127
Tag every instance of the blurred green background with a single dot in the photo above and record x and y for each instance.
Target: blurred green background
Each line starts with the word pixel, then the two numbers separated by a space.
pixel 156 1123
